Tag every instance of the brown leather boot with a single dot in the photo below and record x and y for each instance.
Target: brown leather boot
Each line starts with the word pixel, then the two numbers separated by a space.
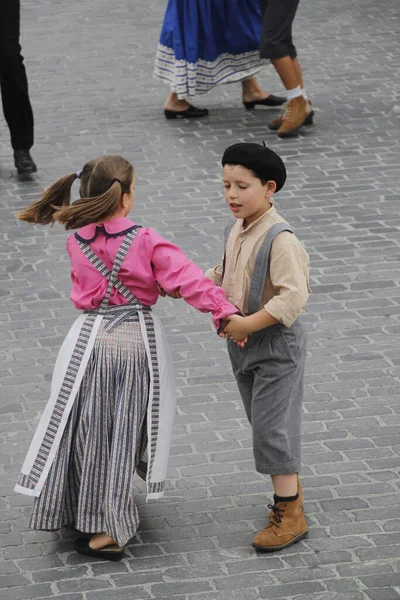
pixel 287 525
pixel 295 116
pixel 275 124
pixel 300 492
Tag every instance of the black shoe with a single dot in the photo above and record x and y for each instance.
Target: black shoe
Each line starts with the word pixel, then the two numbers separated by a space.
pixel 272 101
pixel 24 162
pixel 193 112
pixel 81 545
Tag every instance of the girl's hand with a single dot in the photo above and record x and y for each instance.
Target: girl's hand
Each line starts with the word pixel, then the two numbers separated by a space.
pixel 237 329
pixel 222 333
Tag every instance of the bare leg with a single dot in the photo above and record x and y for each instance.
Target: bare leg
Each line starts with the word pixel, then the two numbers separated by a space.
pixel 285 485
pixel 288 71
pixel 100 540
pixel 172 103
pixel 252 91
pixel 299 74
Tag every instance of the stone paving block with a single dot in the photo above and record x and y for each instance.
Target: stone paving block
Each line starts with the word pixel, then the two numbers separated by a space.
pixel 294 575
pixel 392 525
pixel 175 589
pixel 384 552
pixel 69 597
pixel 238 594
pixel 83 585
pixel 59 574
pixel 342 585
pixel 284 591
pixel 27 592
pixel 383 594
pixel 131 593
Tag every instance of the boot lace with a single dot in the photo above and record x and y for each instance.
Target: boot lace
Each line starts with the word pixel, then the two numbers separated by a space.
pixel 284 109
pixel 275 516
pixel 288 111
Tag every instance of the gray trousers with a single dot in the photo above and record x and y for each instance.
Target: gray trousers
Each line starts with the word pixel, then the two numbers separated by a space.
pixel 269 372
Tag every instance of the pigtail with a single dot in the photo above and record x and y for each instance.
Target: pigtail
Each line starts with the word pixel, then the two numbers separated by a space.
pixel 90 210
pixel 104 181
pixel 43 210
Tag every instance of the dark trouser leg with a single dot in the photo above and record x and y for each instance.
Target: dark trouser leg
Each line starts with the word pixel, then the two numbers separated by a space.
pixel 13 81
pixel 276 31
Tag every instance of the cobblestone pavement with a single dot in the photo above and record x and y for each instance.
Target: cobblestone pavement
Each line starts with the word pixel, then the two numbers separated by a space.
pixel 90 71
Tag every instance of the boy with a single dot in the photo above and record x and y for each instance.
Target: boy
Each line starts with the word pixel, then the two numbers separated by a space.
pixel 265 273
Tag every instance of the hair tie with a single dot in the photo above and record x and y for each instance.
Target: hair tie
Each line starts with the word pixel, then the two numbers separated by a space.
pixel 78 174
pixel 115 179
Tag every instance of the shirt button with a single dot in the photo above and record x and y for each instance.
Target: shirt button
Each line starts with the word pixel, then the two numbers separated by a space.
pixel 101 251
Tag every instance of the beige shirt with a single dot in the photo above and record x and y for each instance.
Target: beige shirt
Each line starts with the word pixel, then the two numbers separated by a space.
pixel 286 288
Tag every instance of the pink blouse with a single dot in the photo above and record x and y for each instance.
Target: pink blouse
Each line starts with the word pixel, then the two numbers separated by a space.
pixel 150 259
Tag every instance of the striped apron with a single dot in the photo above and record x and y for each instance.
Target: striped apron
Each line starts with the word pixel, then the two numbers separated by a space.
pixel 72 361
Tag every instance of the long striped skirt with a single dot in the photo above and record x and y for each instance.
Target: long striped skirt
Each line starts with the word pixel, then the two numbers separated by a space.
pixel 90 483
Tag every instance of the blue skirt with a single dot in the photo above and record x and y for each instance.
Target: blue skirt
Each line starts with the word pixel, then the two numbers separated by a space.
pixel 204 43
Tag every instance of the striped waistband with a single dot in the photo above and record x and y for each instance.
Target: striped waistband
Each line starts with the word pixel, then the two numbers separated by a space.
pixel 118 314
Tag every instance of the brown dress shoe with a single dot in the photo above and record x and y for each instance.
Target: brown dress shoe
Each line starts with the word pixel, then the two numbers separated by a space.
pixel 295 117
pixel 287 525
pixel 275 124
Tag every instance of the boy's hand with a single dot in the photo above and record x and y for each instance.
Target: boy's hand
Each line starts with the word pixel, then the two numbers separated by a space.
pixel 175 295
pixel 222 334
pixel 237 329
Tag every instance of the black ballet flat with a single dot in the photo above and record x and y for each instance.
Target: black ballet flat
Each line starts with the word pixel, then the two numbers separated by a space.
pixel 113 552
pixel 193 112
pixel 272 101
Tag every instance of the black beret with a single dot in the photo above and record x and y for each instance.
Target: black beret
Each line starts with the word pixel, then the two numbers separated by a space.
pixel 263 161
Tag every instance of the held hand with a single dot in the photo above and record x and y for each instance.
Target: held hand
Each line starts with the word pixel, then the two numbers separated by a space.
pixel 222 333
pixel 237 329
pixel 175 295
pixel 161 290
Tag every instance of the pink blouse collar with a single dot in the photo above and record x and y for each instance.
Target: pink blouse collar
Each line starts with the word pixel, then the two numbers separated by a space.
pixel 113 228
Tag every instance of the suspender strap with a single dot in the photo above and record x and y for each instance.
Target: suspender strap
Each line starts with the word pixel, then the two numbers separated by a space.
pixel 112 275
pixel 261 267
pixel 105 271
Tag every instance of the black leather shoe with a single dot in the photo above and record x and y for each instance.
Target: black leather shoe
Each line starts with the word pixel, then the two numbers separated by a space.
pixel 81 545
pixel 193 112
pixel 272 101
pixel 24 162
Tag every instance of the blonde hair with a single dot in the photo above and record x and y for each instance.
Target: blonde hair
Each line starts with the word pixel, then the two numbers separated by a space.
pixel 104 180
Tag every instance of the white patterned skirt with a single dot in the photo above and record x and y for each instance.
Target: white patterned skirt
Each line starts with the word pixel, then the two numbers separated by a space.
pixel 90 483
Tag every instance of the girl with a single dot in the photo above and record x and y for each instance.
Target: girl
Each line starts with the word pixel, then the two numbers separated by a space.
pixel 112 401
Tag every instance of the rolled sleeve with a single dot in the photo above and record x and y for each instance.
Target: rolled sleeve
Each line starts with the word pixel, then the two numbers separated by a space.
pixel 215 274
pixel 289 273
pixel 174 271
